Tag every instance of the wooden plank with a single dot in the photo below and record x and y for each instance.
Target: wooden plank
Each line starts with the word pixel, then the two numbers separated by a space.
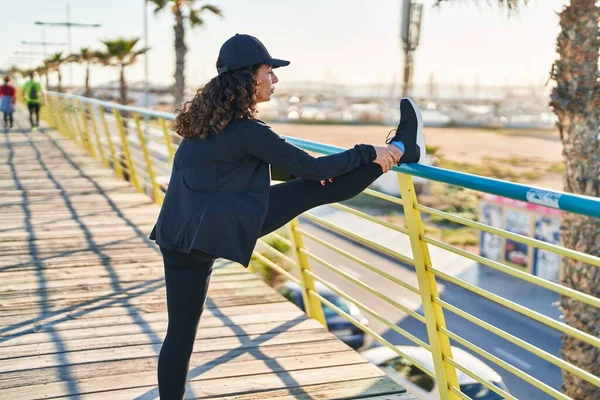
pixel 372 388
pixel 127 324
pixel 143 333
pixel 94 269
pixel 77 234
pixel 219 381
pixel 120 254
pixel 233 343
pixel 126 242
pixel 39 376
pixel 148 297
pixel 125 271
pixel 112 280
pixel 94 311
pixel 82 292
pixel 51 220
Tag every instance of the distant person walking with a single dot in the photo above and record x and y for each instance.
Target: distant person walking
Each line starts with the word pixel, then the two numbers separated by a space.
pixel 8 98
pixel 35 96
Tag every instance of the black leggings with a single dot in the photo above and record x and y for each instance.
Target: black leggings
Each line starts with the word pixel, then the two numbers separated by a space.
pixel 34 110
pixel 8 119
pixel 187 275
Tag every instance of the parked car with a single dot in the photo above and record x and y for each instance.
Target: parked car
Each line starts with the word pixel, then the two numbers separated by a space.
pixel 424 387
pixel 339 326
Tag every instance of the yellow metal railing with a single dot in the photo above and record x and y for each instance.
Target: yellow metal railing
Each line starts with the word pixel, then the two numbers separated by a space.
pixel 143 156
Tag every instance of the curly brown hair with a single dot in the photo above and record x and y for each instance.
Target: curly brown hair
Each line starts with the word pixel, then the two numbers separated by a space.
pixel 227 96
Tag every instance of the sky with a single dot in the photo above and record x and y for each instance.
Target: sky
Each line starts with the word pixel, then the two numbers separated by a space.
pixel 334 41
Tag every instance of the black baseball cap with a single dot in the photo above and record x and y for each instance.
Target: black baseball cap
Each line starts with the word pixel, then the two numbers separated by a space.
pixel 241 51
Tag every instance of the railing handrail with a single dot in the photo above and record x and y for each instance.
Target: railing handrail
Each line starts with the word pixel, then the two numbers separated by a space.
pixel 575 203
pixel 112 105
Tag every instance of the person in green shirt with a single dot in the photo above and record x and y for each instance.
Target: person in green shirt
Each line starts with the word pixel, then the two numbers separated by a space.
pixel 35 96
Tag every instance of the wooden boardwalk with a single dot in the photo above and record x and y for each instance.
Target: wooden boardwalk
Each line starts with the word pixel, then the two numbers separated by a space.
pixel 82 302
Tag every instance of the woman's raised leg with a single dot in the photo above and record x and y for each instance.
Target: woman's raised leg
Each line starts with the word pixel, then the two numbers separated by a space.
pixel 290 199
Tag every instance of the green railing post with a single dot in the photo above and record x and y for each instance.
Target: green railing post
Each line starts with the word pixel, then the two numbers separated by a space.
pixel 312 304
pixel 111 146
pixel 163 123
pixel 125 148
pixel 78 133
pixel 97 135
pixel 156 192
pixel 434 316
pixel 53 114
pixel 68 121
pixel 58 115
pixel 86 130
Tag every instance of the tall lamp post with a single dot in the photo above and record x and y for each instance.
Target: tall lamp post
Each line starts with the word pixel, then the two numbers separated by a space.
pixel 44 44
pixel 410 33
pixel 31 55
pixel 21 61
pixel 146 78
pixel 69 25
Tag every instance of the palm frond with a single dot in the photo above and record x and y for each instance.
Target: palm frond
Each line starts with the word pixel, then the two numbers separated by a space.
pixel 56 59
pixel 74 58
pixel 195 19
pixel 120 52
pixel 103 58
pixel 13 69
pixel 195 14
pixel 159 5
pixel 212 8
pixel 510 5
pixel 141 52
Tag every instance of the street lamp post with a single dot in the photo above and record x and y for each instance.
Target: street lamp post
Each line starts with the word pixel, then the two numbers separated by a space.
pixel 31 55
pixel 410 32
pixel 20 60
pixel 69 25
pixel 43 43
pixel 146 78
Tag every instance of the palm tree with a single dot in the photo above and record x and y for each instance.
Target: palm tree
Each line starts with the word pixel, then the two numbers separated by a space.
pixel 87 57
pixel 46 69
pixel 120 54
pixel 183 10
pixel 14 70
pixel 53 63
pixel 576 102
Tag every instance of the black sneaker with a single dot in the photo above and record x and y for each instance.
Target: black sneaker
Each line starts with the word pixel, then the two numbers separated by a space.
pixel 410 132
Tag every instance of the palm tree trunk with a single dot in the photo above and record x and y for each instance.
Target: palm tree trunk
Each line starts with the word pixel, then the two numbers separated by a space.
pixel 576 102
pixel 88 92
pixel 59 80
pixel 180 51
pixel 123 86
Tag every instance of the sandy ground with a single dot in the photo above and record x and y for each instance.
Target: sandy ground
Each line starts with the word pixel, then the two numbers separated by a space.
pixel 468 145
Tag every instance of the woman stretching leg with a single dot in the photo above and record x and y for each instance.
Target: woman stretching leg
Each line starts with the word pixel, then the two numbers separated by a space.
pixel 220 201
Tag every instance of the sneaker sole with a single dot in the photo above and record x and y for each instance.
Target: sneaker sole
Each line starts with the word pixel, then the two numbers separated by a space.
pixel 420 136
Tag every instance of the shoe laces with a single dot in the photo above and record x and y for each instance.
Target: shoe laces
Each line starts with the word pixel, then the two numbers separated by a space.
pixel 389 139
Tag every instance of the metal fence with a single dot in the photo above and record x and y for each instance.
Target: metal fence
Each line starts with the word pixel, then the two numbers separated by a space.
pixel 143 153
